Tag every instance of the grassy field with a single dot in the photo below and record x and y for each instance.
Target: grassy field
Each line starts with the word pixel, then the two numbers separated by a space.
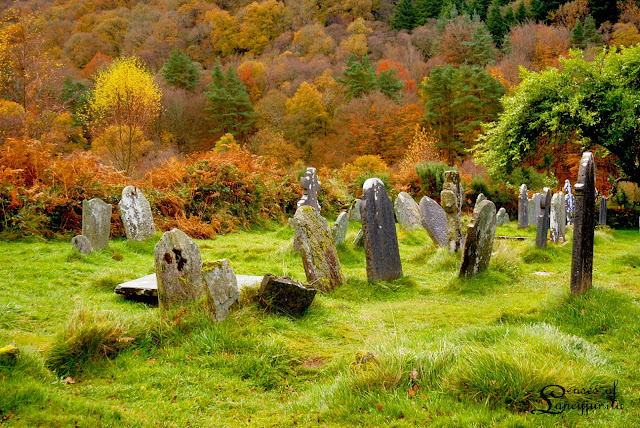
pixel 446 352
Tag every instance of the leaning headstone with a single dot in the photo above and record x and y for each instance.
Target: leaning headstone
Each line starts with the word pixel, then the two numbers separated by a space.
pixel 407 211
pixel 557 218
pixel 358 241
pixel 81 244
pixel 500 216
pixel 354 211
pixel 434 220
pixel 285 295
pixel 319 255
pixel 479 199
pixel 523 208
pixel 569 201
pixel 310 185
pixel 583 229
pixel 178 269
pixel 220 287
pixel 603 211
pixel 340 228
pixel 478 244
pixel 135 213
pixel 451 199
pixel 96 223
pixel 543 218
pixel 379 233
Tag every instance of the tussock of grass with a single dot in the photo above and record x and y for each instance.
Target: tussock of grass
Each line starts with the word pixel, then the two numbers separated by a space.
pixel 443 260
pixel 537 255
pixel 505 260
pixel 603 236
pixel 628 259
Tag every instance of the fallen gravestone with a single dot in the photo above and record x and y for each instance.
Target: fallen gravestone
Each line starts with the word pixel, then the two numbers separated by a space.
pixel 451 199
pixel 379 233
pixel 81 244
pixel 310 185
pixel 135 213
pixel 354 211
pixel 583 229
pixel 434 220
pixel 220 287
pixel 557 218
pixel 569 201
pixel 478 244
pixel 340 228
pixel 543 218
pixel 96 223
pixel 285 295
pixel 407 211
pixel 602 217
pixel 523 208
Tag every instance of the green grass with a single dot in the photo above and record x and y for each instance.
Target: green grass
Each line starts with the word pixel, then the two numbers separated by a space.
pixel 448 352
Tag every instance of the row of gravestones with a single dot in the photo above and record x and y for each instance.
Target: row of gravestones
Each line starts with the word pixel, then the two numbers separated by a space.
pixel 135 213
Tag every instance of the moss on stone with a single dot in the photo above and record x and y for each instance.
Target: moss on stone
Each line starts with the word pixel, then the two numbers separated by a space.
pixel 212 265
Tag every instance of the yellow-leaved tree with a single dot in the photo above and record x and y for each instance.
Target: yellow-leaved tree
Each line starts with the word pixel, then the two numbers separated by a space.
pixel 125 102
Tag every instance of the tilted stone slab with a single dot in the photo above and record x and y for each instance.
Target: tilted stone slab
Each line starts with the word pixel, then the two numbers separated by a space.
pixel 81 244
pixel 583 229
pixel 96 222
pixel 136 216
pixel 407 211
pixel 434 220
pixel 220 287
pixel 285 295
pixel 340 228
pixel 542 232
pixel 478 244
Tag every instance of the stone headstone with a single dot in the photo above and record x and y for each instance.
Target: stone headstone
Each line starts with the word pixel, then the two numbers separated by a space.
pixel 407 211
pixel 537 197
pixel 434 220
pixel 178 269
pixel 543 218
pixel 135 213
pixel 318 251
pixel 379 233
pixel 220 287
pixel 569 201
pixel 340 228
pixel 478 244
pixel 354 211
pixel 358 240
pixel 583 229
pixel 451 199
pixel 531 204
pixel 523 208
pixel 479 199
pixel 557 218
pixel 310 185
pixel 500 216
pixel 81 244
pixel 285 295
pixel 96 223
pixel 603 211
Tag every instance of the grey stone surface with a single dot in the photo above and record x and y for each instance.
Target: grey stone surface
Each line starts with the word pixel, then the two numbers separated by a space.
pixel 358 240
pixel 557 218
pixel 354 211
pixel 379 233
pixel 523 208
pixel 220 287
pixel 481 197
pixel 478 244
pixel 96 223
pixel 318 251
pixel 81 244
pixel 434 220
pixel 143 286
pixel 531 211
pixel 285 295
pixel 602 216
pixel 340 228
pixel 500 217
pixel 310 185
pixel 534 209
pixel 583 229
pixel 407 211
pixel 569 201
pixel 451 199
pixel 135 213
pixel 178 269
pixel 542 232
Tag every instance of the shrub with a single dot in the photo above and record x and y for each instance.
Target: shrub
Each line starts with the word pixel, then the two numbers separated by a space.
pixel 431 176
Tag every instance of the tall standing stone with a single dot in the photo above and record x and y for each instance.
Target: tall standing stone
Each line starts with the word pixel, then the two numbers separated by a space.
pixel 558 218
pixel 434 220
pixel 318 251
pixel 135 213
pixel 379 233
pixel 531 203
pixel 523 208
pixel 407 211
pixel 603 211
pixel 310 185
pixel 220 287
pixel 96 223
pixel 583 229
pixel 569 201
pixel 451 199
pixel 178 269
pixel 543 218
pixel 340 228
pixel 478 244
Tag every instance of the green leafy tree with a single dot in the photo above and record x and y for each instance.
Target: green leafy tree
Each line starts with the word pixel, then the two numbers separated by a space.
pixel 180 71
pixel 426 9
pixel 481 48
pixel 404 16
pixel 390 84
pixel 590 33
pixel 540 8
pixel 521 12
pixel 496 25
pixel 359 77
pixel 577 36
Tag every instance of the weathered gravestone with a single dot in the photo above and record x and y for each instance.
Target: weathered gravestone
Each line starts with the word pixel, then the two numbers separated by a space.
pixel 340 228
pixel 501 216
pixel 479 199
pixel 407 211
pixel 96 222
pixel 220 287
pixel 285 295
pixel 523 208
pixel 558 218
pixel 310 185
pixel 354 211
pixel 318 251
pixel 178 269
pixel 583 229
pixel 434 220
pixel 603 211
pixel 135 213
pixel 569 201
pixel 358 240
pixel 81 244
pixel 543 218
pixel 478 244
pixel 534 209
pixel 379 233
pixel 531 203
pixel 451 199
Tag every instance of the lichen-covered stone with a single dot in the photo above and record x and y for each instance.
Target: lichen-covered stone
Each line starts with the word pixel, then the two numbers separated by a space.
pixel 178 269
pixel 220 286
pixel 96 223
pixel 543 218
pixel 81 244
pixel 136 216
pixel 583 229
pixel 340 228
pixel 434 220
pixel 282 294
pixel 569 201
pixel 310 186
pixel 557 218
pixel 451 199
pixel 354 211
pixel 533 216
pixel 481 197
pixel 500 217
pixel 478 244
pixel 523 208
pixel 407 211
pixel 318 251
